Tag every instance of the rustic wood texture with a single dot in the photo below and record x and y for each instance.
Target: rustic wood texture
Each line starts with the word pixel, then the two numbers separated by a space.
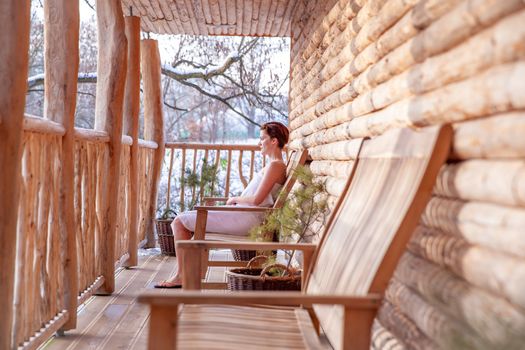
pixel 40 263
pixel 145 186
pixel 61 69
pixel 381 65
pixel 111 73
pixel 131 128
pixel 89 156
pixel 14 34
pixel 123 230
pixel 393 181
pixel 153 124
pixel 214 17
pixel 340 258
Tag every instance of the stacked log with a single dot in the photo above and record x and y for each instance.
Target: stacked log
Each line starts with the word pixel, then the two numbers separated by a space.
pixel 360 68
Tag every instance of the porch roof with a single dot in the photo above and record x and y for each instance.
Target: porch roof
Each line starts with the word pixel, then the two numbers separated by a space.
pixel 214 17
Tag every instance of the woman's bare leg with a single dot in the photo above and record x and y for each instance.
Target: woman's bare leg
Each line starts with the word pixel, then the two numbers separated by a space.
pixel 180 233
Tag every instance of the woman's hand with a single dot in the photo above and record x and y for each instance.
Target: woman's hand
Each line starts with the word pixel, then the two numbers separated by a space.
pixel 232 201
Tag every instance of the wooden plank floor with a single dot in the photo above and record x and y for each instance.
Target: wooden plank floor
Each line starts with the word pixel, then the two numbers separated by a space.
pixel 118 321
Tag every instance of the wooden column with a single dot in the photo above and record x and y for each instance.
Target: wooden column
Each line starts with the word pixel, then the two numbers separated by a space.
pixel 61 71
pixel 14 36
pixel 153 121
pixel 111 80
pixel 131 128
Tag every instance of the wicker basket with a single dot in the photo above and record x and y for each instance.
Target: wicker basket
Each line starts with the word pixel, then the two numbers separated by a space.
pixel 255 278
pixel 243 255
pixel 165 234
pixel 247 255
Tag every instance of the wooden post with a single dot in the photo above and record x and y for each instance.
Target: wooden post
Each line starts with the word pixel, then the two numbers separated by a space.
pixel 131 128
pixel 61 71
pixel 153 122
pixel 111 73
pixel 163 327
pixel 14 36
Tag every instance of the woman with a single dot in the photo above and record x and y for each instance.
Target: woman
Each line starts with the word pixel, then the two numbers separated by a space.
pixel 261 191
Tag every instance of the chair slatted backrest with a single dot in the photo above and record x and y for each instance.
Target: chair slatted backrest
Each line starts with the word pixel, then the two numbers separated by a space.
pixel 295 159
pixel 391 185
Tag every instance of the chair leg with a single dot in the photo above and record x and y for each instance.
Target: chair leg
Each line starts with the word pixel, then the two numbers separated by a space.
pixel 357 328
pixel 205 257
pixel 191 278
pixel 163 327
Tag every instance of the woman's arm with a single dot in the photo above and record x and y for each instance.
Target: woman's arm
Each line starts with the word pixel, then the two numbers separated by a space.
pixel 276 173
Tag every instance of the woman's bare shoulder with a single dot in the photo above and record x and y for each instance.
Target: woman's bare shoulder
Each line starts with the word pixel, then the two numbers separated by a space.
pixel 277 165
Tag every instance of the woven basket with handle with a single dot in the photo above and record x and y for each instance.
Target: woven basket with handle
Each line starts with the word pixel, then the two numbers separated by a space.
pixel 255 278
pixel 165 236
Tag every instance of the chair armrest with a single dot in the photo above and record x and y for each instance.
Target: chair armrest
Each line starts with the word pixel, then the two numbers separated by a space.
pixel 215 199
pixel 212 200
pixel 235 208
pixel 307 247
pixel 370 301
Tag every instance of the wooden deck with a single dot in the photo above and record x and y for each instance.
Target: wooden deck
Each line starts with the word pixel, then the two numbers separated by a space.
pixel 118 321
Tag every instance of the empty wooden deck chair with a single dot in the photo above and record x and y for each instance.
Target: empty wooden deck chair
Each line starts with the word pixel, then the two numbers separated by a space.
pixel 348 274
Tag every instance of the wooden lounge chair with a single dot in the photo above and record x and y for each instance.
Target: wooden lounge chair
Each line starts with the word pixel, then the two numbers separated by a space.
pixel 348 274
pixel 295 159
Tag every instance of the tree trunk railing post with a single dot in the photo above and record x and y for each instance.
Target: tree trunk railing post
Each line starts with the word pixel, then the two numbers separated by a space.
pixel 61 71
pixel 111 73
pixel 131 128
pixel 153 122
pixel 14 36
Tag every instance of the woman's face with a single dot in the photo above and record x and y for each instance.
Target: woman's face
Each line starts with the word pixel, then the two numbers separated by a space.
pixel 266 143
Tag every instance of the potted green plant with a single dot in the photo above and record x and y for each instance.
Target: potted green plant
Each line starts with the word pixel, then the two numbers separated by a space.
pixel 309 199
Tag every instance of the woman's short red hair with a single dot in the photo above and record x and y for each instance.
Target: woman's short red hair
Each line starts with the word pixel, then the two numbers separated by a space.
pixel 278 131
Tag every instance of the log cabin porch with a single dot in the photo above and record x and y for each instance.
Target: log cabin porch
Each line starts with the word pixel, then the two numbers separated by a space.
pixel 118 321
pixel 76 204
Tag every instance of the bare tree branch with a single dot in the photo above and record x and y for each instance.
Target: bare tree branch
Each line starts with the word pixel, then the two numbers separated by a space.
pixel 220 99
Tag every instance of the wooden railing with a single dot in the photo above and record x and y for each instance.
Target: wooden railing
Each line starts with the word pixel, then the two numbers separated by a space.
pixel 39 268
pixel 41 259
pixel 234 163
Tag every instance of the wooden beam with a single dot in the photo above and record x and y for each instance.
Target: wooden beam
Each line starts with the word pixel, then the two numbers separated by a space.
pixel 112 66
pixel 61 59
pixel 14 36
pixel 131 128
pixel 153 121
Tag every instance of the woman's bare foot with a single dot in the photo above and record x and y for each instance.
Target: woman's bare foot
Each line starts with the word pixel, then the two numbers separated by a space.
pixel 173 282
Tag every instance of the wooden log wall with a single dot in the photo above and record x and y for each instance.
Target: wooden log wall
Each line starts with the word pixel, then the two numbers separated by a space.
pixel 362 67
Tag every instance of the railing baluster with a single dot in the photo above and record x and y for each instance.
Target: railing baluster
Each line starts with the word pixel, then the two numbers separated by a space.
pixel 183 164
pixel 217 162
pixel 252 163
pixel 172 151
pixel 201 190
pixel 243 180
pixel 228 170
pixel 195 151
